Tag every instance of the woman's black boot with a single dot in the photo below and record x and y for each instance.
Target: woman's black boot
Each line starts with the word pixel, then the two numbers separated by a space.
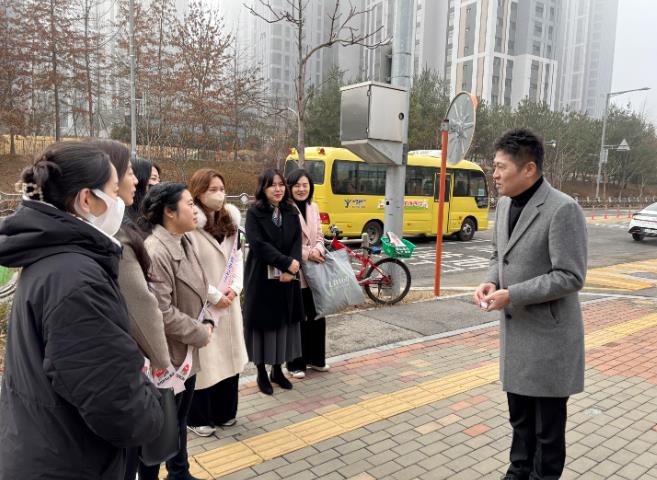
pixel 263 382
pixel 278 377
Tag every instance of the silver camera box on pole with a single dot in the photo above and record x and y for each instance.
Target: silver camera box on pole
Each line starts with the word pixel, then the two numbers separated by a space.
pixel 372 121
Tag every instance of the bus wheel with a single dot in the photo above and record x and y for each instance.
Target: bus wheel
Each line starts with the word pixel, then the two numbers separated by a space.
pixel 467 231
pixel 374 231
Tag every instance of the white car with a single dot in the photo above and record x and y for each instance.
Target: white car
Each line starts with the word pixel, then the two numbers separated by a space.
pixel 644 223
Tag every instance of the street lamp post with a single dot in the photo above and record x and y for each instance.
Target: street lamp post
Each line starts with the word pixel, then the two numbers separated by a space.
pixel 603 151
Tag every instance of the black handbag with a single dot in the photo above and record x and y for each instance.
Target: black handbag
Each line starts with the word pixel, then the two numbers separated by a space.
pixel 167 444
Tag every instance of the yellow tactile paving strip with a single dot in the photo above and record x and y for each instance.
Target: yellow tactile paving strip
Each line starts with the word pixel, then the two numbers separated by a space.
pixel 239 455
pixel 620 277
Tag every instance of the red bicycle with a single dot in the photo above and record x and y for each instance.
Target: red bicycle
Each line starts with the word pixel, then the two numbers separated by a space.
pixel 386 281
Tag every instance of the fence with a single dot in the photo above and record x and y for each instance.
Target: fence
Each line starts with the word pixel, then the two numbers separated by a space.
pixel 610 202
pixel 31 145
pixel 623 202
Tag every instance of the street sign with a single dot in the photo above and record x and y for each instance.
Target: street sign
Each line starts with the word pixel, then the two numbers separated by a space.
pixel 623 146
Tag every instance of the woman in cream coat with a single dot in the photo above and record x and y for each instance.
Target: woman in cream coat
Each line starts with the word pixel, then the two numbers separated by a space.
pixel 217 243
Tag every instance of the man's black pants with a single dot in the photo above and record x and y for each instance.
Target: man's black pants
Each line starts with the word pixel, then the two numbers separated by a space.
pixel 538 449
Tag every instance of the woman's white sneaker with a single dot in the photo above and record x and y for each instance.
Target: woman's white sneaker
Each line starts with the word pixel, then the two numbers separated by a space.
pixel 297 374
pixel 202 431
pixel 325 368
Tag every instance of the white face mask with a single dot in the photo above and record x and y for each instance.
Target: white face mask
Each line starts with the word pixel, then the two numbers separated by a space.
pixel 110 221
pixel 214 200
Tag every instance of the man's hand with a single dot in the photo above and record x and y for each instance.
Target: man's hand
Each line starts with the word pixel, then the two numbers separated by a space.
pixel 482 291
pixel 497 300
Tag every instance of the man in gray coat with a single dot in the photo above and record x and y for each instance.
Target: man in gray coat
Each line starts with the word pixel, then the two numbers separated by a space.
pixel 537 267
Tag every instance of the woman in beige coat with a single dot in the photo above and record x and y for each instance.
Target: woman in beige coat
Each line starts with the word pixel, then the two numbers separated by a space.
pixel 216 239
pixel 146 324
pixel 181 288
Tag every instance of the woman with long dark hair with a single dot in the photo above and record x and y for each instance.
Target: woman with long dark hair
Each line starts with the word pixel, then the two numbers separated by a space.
pixel 134 269
pixel 217 242
pixel 313 332
pixel 73 392
pixel 141 168
pixel 181 289
pixel 273 306
pixel 147 326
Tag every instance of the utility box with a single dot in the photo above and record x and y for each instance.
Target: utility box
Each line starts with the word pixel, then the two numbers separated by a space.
pixel 373 121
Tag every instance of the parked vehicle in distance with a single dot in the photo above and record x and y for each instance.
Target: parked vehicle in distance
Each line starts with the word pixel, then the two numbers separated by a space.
pixel 644 223
pixel 351 193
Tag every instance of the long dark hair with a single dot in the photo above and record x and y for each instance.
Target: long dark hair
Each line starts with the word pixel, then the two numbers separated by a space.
pixel 266 180
pixel 160 196
pixel 222 226
pixel 119 155
pixel 62 170
pixel 141 168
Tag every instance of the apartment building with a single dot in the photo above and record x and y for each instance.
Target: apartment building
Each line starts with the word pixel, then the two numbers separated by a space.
pixel 273 46
pixel 503 50
pixel 586 54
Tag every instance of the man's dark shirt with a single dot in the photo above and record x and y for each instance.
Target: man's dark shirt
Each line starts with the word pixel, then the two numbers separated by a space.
pixel 518 203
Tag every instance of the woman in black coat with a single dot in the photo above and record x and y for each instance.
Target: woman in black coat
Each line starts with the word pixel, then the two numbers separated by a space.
pixel 273 306
pixel 73 392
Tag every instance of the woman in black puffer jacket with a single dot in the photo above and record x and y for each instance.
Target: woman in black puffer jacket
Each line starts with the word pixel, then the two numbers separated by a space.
pixel 73 393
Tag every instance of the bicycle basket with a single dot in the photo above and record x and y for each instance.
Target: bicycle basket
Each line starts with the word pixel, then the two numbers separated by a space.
pixel 397 252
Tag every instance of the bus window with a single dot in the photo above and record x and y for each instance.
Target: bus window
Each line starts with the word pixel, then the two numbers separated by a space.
pixel 290 166
pixel 478 188
pixel 461 182
pixel 356 178
pixel 419 181
pixel 315 169
pixel 477 184
pixel 437 187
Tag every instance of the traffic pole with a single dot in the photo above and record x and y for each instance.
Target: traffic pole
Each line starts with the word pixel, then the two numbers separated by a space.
pixel 444 128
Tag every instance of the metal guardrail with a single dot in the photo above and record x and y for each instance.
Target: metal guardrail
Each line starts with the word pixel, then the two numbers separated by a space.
pixel 8 204
pixel 9 288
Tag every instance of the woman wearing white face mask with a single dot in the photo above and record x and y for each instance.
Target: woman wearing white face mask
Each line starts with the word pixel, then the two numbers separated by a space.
pixel 217 242
pixel 73 395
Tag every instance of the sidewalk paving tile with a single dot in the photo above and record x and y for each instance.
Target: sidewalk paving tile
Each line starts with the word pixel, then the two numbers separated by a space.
pixel 434 409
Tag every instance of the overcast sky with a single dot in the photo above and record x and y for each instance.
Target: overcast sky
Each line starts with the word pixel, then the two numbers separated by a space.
pixel 635 58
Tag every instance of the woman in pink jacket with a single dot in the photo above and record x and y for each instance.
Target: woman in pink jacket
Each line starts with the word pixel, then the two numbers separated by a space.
pixel 313 332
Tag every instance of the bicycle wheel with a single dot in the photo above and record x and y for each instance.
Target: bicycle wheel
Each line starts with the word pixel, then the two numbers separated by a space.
pixel 388 281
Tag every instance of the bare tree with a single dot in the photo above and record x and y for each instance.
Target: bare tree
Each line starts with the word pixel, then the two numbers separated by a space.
pixel 203 47
pixel 341 31
pixel 245 94
pixel 13 72
pixel 50 21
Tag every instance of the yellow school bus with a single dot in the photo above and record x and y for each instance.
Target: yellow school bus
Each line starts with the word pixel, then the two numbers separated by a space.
pixel 350 193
